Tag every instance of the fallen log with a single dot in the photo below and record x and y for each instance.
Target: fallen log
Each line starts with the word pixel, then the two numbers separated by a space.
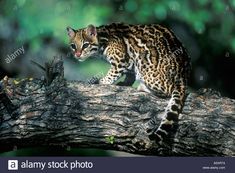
pixel 53 111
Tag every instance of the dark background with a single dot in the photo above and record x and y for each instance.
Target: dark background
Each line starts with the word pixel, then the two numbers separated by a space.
pixel 206 28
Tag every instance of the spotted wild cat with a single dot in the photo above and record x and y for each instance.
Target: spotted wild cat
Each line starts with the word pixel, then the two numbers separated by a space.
pixel 149 53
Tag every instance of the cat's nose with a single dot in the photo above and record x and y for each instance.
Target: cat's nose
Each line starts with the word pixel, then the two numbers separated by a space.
pixel 78 54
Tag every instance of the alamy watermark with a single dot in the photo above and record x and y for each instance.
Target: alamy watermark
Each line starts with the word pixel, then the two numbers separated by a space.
pixel 95 78
pixel 177 52
pixel 14 55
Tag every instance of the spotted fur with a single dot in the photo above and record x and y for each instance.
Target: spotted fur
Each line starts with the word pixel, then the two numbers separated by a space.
pixel 151 52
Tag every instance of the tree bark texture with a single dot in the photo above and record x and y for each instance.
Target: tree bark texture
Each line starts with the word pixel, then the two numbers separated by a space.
pixel 53 111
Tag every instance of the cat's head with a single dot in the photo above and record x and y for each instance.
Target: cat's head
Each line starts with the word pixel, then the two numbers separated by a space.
pixel 83 42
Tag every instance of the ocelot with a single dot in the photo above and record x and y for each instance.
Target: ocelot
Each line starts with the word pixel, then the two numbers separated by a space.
pixel 150 53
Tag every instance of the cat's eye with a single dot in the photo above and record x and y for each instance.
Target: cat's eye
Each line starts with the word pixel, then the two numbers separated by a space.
pixel 85 45
pixel 73 46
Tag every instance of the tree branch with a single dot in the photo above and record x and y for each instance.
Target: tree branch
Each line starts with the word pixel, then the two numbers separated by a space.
pixel 38 113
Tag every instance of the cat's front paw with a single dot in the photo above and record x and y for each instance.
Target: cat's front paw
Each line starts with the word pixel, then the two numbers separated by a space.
pixel 105 81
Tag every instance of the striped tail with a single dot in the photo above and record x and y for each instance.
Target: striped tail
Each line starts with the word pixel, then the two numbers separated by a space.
pixel 171 115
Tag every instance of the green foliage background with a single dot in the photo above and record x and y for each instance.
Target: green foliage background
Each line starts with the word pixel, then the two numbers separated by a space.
pixel 50 17
pixel 206 28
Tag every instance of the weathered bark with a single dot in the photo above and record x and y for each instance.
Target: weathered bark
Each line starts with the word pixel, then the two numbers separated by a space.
pixel 38 113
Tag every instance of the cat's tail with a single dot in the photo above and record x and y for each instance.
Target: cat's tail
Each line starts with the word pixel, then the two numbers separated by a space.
pixel 171 114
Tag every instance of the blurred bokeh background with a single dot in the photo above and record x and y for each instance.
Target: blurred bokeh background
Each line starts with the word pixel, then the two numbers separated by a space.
pixel 31 29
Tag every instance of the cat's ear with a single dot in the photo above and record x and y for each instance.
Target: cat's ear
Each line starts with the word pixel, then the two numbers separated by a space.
pixel 91 30
pixel 71 32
